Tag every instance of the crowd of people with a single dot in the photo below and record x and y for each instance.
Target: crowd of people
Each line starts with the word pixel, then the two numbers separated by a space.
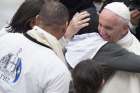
pixel 76 46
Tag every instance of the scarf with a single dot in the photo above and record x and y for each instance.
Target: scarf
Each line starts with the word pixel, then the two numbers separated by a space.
pixel 46 38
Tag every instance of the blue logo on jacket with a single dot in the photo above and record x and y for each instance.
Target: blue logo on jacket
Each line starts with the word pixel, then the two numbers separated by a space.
pixel 10 67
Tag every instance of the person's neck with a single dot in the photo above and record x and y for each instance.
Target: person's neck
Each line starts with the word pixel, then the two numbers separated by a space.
pixel 52 30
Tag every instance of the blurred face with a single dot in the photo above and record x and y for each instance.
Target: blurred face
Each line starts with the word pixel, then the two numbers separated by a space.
pixel 110 27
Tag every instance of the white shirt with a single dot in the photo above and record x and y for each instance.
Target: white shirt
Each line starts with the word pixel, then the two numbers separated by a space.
pixel 27 67
pixel 83 47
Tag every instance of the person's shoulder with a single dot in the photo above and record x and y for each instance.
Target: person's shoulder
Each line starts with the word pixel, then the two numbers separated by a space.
pixel 47 57
pixel 11 36
pixel 48 61
pixel 11 39
pixel 3 31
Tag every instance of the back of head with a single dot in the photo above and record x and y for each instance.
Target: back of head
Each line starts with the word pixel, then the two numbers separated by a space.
pixel 54 13
pixel 77 5
pixel 87 77
pixel 21 21
pixel 93 23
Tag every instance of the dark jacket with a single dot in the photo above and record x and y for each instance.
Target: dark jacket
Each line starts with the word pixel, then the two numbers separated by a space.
pixel 112 57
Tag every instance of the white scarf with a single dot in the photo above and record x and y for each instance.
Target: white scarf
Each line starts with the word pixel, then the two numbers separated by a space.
pixel 47 39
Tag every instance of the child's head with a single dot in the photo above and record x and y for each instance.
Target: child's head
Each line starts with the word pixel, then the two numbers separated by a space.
pixel 87 77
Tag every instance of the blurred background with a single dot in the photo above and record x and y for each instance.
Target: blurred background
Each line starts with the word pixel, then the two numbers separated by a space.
pixel 7 9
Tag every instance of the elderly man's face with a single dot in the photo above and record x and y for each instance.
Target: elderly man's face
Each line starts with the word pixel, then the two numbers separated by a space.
pixel 110 27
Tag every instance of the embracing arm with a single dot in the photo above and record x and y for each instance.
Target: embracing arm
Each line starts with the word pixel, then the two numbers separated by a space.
pixel 118 58
pixel 79 21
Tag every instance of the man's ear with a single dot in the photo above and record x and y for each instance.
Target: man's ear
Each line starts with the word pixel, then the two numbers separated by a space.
pixel 66 25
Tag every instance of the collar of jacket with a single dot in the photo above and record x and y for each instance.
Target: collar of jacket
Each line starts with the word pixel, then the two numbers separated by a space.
pixel 126 41
pixel 46 38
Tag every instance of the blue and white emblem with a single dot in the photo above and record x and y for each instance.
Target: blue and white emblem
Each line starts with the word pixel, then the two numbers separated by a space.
pixel 10 67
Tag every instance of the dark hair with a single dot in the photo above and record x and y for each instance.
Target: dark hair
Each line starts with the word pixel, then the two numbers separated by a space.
pixel 93 23
pixel 77 5
pixel 84 5
pixel 87 77
pixel 134 4
pixel 21 21
pixel 54 13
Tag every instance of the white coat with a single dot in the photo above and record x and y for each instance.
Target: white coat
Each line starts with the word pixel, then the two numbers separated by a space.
pixel 27 67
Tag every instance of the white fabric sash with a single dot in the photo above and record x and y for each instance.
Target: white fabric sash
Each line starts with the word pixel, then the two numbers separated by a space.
pixel 47 39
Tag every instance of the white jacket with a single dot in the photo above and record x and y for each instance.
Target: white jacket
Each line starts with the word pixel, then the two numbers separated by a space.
pixel 27 67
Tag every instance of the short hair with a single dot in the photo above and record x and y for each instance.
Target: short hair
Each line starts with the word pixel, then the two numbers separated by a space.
pixel 54 13
pixel 77 5
pixel 87 77
pixel 25 14
pixel 93 23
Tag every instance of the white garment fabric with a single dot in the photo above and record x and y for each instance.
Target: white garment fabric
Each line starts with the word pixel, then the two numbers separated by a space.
pixel 125 82
pixel 48 39
pixel 27 67
pixel 83 47
pixel 64 41
pixel 3 31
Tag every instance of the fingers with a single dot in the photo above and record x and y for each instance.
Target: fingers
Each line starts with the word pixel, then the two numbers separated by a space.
pixel 81 15
pixel 79 21
pixel 84 21
pixel 135 13
pixel 135 17
pixel 83 25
